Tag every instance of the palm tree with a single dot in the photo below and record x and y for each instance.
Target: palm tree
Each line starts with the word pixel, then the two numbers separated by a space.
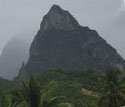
pixel 47 99
pixel 31 94
pixel 56 102
pixel 27 96
pixel 113 89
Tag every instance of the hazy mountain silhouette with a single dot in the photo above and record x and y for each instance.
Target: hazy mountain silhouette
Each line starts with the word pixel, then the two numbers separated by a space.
pixel 13 55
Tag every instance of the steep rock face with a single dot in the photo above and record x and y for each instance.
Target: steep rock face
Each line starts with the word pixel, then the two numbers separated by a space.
pixel 13 54
pixel 59 19
pixel 61 43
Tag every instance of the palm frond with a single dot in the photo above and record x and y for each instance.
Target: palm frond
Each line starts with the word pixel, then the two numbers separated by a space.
pixel 64 105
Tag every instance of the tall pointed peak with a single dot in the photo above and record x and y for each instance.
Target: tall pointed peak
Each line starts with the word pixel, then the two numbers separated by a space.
pixel 56 7
pixel 58 18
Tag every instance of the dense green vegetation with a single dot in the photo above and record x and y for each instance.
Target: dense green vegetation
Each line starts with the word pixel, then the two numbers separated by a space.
pixel 4 85
pixel 113 89
pixel 32 94
pixel 58 88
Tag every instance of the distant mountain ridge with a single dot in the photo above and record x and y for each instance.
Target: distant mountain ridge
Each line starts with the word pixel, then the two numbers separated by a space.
pixel 61 43
pixel 13 55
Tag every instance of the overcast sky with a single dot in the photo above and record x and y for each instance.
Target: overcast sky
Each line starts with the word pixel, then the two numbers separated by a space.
pixel 23 17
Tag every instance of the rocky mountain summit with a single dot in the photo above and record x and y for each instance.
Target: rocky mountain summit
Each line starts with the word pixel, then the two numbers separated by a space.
pixel 61 43
pixel 59 19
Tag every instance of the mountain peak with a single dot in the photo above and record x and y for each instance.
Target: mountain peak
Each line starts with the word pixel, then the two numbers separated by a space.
pixel 61 43
pixel 56 7
pixel 57 18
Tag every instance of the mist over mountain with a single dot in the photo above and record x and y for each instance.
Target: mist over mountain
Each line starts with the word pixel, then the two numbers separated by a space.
pixel 121 20
pixel 115 31
pixel 25 16
pixel 13 55
pixel 61 43
pixel 74 60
